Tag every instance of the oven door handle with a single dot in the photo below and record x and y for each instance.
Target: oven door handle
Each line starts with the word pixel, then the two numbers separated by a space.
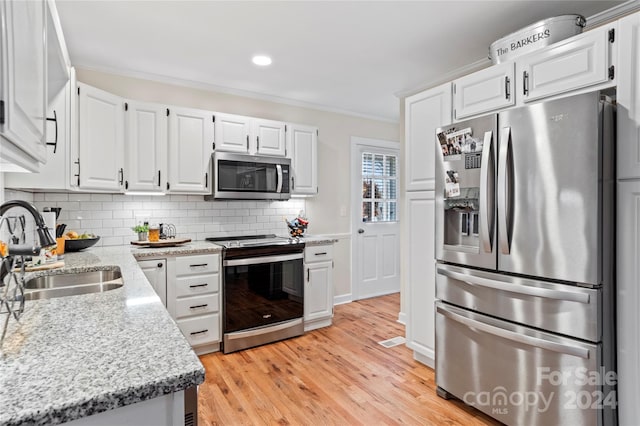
pixel 279 171
pixel 262 259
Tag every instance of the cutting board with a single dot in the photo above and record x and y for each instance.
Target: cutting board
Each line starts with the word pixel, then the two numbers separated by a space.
pixel 44 267
pixel 171 242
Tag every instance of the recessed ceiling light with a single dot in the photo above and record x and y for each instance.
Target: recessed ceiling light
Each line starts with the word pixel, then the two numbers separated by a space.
pixel 261 60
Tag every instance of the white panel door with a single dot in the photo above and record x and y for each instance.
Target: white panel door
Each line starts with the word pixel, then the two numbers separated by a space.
pixel 146 146
pixel 270 137
pixel 25 86
pixel 484 91
pixel 303 149
pixel 420 286
pixel 101 140
pixel 156 273
pixel 318 291
pixel 233 133
pixel 376 244
pixel 424 113
pixel 628 300
pixel 190 149
pixel 580 61
pixel 628 97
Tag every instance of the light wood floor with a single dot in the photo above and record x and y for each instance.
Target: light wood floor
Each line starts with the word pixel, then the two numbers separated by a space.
pixel 337 375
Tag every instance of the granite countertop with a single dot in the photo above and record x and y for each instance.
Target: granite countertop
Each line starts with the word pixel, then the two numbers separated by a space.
pixel 71 357
pixel 195 247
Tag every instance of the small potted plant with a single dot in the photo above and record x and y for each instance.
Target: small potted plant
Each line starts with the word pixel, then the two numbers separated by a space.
pixel 143 232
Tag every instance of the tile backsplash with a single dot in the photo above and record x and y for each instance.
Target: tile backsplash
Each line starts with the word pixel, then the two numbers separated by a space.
pixel 111 216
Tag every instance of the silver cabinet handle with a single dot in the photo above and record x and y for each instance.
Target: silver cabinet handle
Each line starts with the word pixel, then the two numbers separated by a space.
pixel 505 140
pixel 486 191
pixel 279 172
pixel 321 254
pixel 257 143
pixel 199 265
pixel 199 332
pixel 199 306
pixel 198 285
pixel 515 337
pixel 507 88
pixel 247 142
pixel 525 83
pixel 571 296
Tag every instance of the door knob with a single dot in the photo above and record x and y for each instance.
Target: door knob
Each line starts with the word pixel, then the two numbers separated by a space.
pixel 360 231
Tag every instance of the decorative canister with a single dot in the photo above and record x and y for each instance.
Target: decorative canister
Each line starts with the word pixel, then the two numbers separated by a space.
pixel 535 36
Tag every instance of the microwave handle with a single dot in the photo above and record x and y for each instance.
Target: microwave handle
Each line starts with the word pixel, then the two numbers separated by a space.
pixel 279 170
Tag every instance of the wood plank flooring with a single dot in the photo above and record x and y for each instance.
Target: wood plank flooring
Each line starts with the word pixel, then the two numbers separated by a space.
pixel 337 375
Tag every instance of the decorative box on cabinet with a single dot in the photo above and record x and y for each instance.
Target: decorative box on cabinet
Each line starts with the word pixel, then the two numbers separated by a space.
pixel 318 288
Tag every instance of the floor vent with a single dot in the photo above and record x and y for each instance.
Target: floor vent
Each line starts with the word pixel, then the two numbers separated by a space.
pixel 392 342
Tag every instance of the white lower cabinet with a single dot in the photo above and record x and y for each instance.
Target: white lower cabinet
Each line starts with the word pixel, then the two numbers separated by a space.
pixel 318 286
pixel 420 284
pixel 192 296
pixel 156 272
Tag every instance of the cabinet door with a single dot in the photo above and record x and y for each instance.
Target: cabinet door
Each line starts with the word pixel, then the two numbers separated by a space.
pixel 628 97
pixel 146 142
pixel 156 273
pixel 190 148
pixel 24 86
pixel 270 137
pixel 318 291
pixel 101 139
pixel 420 274
pixel 424 113
pixel 303 149
pixel 628 300
pixel 232 132
pixel 484 91
pixel 578 62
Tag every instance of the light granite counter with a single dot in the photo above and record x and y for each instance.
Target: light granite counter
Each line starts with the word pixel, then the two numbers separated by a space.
pixel 196 247
pixel 71 357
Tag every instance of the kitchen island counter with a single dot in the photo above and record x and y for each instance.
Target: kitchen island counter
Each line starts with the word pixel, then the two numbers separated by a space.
pixel 72 357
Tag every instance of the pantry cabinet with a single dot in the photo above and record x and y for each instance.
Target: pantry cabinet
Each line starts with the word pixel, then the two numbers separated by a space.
pixel 420 274
pixel 23 87
pixel 191 138
pixel 424 113
pixel 302 148
pixel 146 147
pixel 318 288
pixel 571 64
pixel 100 139
pixel 484 91
pixel 247 135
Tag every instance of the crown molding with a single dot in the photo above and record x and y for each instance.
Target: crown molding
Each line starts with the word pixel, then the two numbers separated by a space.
pixel 612 14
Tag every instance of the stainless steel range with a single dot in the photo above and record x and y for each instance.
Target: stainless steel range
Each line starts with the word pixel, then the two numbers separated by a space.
pixel 263 290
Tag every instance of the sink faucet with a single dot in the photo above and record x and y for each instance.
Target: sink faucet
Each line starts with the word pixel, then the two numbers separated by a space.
pixel 42 230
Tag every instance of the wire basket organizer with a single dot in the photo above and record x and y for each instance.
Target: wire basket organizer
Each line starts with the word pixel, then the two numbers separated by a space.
pixel 11 276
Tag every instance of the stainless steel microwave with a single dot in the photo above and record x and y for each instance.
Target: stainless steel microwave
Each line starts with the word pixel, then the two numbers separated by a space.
pixel 250 177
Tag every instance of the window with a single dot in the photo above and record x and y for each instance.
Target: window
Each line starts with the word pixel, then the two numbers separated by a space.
pixel 379 187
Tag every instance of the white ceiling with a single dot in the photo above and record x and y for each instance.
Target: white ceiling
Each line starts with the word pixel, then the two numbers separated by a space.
pixel 350 56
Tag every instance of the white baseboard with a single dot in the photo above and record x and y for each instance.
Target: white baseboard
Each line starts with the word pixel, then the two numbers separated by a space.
pixel 429 361
pixel 342 299
pixel 402 318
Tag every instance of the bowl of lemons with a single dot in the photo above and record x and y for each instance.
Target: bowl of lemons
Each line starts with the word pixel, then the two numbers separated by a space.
pixel 77 242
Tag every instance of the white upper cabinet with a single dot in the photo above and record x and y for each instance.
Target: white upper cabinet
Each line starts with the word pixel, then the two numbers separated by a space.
pixel 146 147
pixel 269 136
pixel 424 113
pixel 628 97
pixel 101 139
pixel 247 135
pixel 484 91
pixel 571 64
pixel 190 148
pixel 232 132
pixel 303 150
pixel 23 88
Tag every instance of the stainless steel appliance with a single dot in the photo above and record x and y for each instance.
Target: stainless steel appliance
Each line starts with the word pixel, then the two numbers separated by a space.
pixel 263 290
pixel 525 251
pixel 250 177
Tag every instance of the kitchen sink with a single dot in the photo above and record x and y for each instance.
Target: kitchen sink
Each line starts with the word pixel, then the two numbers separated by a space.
pixel 61 285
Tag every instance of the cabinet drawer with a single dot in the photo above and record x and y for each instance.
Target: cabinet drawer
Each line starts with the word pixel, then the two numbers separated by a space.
pixel 201 330
pixel 198 305
pixel 318 253
pixel 192 286
pixel 197 265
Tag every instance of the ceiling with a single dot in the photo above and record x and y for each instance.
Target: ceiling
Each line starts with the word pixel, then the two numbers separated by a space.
pixel 348 56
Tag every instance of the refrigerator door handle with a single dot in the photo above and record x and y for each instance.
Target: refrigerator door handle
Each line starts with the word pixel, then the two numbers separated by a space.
pixel 486 226
pixel 515 337
pixel 546 293
pixel 503 191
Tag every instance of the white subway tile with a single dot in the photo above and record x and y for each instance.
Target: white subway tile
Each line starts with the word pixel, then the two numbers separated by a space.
pixel 199 198
pixel 123 232
pixel 187 205
pixel 90 205
pixel 249 219
pixel 123 214
pixel 55 196
pixel 36 197
pixel 241 212
pixel 69 205
pixel 113 223
pixel 101 214
pixel 113 241
pixel 178 197
pixel 90 223
pixel 132 205
pixel 101 197
pixel 79 197
pixel 212 227
pixel 112 205
pixel 268 211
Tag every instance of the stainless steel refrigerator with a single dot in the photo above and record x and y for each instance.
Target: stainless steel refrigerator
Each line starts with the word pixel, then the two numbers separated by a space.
pixel 525 276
